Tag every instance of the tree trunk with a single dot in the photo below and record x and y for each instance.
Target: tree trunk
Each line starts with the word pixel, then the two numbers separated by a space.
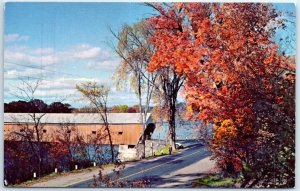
pixel 245 182
pixel 143 150
pixel 38 136
pixel 111 144
pixel 172 125
pixel 40 160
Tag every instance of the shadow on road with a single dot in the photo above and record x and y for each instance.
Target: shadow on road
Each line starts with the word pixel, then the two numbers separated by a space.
pixel 177 181
pixel 156 169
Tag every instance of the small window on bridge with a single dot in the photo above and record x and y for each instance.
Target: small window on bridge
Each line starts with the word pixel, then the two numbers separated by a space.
pixel 44 131
pixel 94 132
pixel 21 130
pixel 120 133
pixel 130 146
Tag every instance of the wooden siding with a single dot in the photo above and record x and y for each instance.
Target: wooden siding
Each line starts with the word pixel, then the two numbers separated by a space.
pixel 127 134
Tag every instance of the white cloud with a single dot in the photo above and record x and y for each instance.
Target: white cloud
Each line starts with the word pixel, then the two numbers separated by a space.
pixel 22 61
pixel 107 65
pixel 84 53
pixel 55 85
pixel 55 88
pixel 43 51
pixel 65 89
pixel 122 97
pixel 89 53
pixel 68 84
pixel 9 38
pixel 28 72
pixel 27 56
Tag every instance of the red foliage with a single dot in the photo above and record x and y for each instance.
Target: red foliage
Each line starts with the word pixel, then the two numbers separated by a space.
pixel 230 63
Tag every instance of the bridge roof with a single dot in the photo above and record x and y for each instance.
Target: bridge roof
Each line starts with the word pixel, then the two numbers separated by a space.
pixel 83 118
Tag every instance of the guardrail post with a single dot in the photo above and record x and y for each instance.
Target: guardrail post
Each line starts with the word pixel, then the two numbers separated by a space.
pixel 5 182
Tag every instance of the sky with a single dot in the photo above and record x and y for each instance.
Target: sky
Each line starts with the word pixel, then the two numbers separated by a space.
pixel 63 44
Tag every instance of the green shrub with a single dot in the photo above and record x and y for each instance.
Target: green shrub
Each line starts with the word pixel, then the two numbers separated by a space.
pixel 214 181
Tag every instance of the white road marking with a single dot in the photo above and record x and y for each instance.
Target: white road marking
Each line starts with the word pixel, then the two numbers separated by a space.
pixel 142 171
pixel 156 166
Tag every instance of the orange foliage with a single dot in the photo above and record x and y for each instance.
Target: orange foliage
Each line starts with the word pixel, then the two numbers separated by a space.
pixel 229 61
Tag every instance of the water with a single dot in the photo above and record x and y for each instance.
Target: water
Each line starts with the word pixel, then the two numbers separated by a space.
pixel 101 154
pixel 184 130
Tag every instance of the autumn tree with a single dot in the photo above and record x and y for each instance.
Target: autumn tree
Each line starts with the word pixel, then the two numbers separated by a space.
pixel 119 108
pixel 115 109
pixel 95 147
pixel 63 142
pixel 123 108
pixel 233 71
pixel 159 112
pixel 135 52
pixel 131 110
pixel 242 74
pixel 172 48
pixel 97 96
pixel 75 148
pixel 31 132
pixel 85 109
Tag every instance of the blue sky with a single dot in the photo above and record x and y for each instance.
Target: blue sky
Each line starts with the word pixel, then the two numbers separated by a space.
pixel 67 43
pixel 71 38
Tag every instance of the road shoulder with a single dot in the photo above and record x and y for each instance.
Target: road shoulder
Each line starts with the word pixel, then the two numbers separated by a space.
pixel 184 177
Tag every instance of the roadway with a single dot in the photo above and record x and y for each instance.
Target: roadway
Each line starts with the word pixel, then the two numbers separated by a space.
pixel 176 170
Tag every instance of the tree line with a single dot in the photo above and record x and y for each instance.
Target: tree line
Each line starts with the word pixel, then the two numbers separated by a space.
pixel 39 106
pixel 36 106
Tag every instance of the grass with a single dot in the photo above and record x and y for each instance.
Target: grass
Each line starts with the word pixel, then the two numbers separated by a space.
pixel 214 181
pixel 164 150
pixel 55 175
pixel 44 178
pixel 161 152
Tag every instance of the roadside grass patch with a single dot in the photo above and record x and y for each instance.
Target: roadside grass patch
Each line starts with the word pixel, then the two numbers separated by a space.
pixel 37 180
pixel 53 175
pixel 214 181
pixel 161 152
pixel 164 151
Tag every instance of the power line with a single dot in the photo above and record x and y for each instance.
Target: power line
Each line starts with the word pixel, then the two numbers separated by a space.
pixel 23 77
pixel 54 71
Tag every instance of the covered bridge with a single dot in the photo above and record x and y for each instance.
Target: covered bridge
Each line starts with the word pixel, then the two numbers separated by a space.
pixel 126 128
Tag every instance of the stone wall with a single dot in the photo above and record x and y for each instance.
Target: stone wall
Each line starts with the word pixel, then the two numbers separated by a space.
pixel 127 154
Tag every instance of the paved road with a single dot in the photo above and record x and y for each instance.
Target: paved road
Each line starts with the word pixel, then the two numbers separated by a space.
pixel 167 170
